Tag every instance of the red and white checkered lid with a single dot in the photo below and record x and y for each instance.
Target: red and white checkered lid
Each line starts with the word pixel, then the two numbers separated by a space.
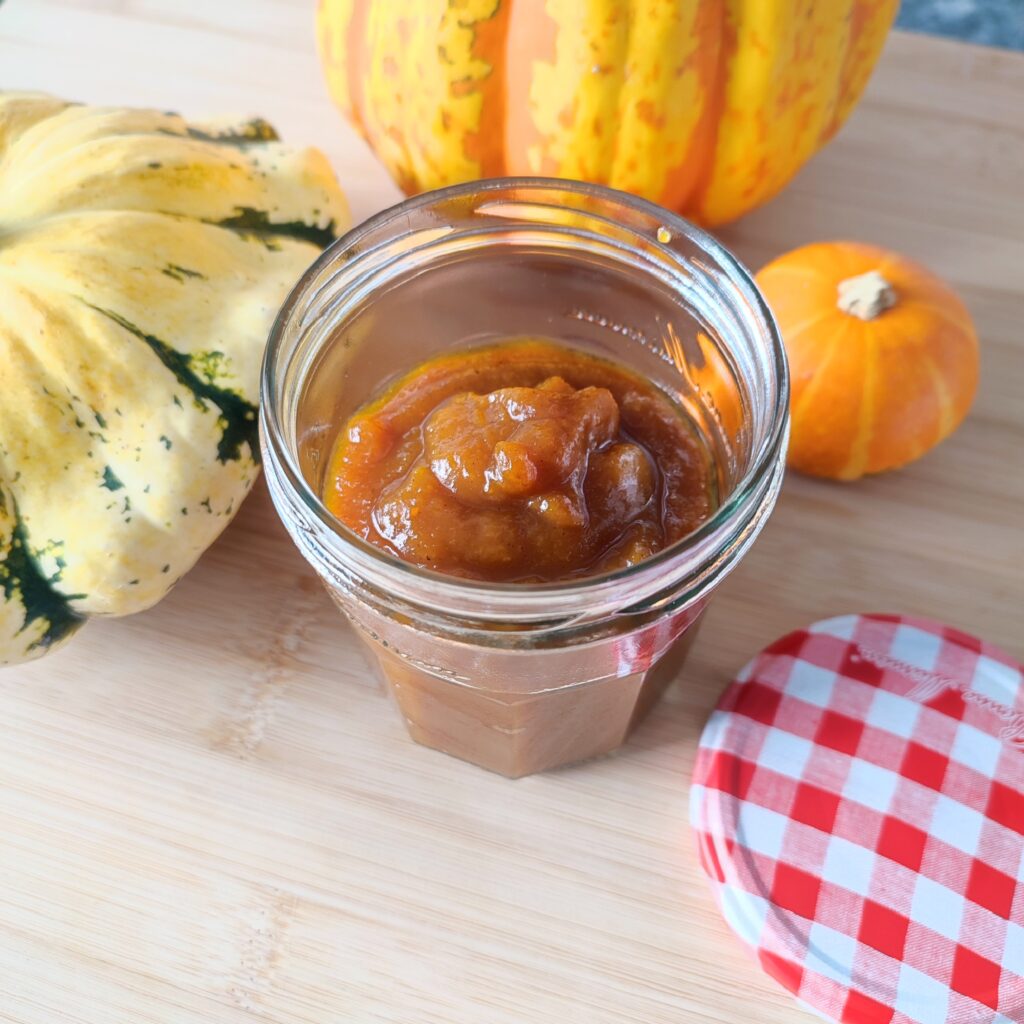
pixel 858 802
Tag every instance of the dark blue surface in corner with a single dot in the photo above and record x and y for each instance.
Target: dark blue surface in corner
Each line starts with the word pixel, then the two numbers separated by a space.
pixel 990 22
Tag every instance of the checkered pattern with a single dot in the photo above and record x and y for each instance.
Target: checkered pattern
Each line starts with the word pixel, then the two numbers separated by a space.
pixel 859 807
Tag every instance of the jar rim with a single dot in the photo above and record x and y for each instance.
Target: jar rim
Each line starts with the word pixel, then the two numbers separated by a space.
pixel 763 464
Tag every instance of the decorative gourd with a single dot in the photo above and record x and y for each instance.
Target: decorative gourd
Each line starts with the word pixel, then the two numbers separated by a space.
pixel 882 354
pixel 142 261
pixel 705 106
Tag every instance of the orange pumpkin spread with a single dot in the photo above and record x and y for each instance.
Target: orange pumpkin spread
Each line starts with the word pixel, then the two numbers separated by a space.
pixel 520 462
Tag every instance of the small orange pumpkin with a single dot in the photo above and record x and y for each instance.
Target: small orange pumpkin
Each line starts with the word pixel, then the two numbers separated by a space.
pixel 883 357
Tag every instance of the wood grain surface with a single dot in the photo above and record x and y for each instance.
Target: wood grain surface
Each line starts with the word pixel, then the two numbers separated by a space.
pixel 210 813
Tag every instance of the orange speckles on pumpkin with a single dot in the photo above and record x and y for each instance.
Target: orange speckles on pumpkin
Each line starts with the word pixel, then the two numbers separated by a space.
pixel 648 113
pixel 756 176
pixel 534 86
pixel 757 43
pixel 485 144
pixel 406 181
pixel 462 87
pixel 803 120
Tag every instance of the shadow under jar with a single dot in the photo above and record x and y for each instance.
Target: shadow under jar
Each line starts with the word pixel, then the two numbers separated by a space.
pixel 523 677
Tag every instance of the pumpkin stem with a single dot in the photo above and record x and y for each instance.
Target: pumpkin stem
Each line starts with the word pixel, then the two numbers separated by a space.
pixel 866 295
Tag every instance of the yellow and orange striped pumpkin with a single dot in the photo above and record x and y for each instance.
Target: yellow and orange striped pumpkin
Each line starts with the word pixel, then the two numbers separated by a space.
pixel 708 107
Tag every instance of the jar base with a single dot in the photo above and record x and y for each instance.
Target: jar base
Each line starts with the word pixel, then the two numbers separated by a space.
pixel 519 734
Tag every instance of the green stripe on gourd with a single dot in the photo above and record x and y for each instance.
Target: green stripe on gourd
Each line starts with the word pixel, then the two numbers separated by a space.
pixel 238 417
pixel 142 261
pixel 22 580
pixel 257 222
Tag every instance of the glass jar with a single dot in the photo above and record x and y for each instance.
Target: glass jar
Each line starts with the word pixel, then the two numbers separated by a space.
pixel 519 678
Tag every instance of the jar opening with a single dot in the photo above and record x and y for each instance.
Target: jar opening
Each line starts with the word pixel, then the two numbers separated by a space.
pixel 581 264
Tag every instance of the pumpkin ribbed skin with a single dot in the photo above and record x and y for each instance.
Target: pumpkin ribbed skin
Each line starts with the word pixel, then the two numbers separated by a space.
pixel 706 106
pixel 868 395
pixel 141 263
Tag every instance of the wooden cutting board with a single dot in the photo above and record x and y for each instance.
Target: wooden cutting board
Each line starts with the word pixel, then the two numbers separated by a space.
pixel 209 813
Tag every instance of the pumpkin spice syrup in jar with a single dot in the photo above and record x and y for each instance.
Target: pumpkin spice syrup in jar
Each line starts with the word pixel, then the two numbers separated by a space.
pixel 522 429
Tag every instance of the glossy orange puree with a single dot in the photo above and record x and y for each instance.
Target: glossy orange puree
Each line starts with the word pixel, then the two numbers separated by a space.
pixel 525 461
